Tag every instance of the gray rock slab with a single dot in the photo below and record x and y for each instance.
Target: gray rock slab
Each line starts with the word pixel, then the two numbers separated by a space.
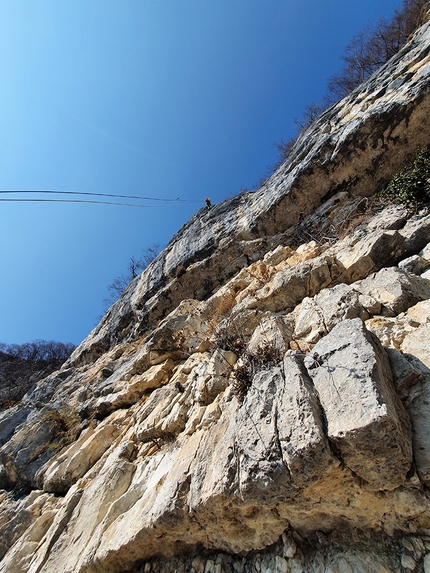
pixel 304 445
pixel 340 303
pixel 10 419
pixel 418 408
pixel 365 418
pixel 405 374
pixel 414 264
pixel 263 475
pixel 416 235
pixel 214 469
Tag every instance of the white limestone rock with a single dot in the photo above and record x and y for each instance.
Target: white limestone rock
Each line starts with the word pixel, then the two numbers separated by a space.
pixel 358 260
pixel 391 331
pixel 300 427
pixel 365 418
pixel 417 344
pixel 395 289
pixel 420 312
pixel 274 330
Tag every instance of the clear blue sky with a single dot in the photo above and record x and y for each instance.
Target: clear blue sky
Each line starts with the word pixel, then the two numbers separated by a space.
pixel 160 98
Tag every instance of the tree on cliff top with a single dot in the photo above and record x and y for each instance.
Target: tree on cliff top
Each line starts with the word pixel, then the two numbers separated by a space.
pixel 371 48
pixel 367 52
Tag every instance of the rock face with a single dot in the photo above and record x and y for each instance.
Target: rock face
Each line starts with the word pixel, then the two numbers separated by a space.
pixel 345 150
pixel 258 399
pixel 365 419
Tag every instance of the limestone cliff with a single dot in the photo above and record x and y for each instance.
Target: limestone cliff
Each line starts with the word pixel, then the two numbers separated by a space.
pixel 259 398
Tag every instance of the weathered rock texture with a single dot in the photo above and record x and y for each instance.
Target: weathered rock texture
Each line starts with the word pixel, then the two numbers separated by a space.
pixel 258 399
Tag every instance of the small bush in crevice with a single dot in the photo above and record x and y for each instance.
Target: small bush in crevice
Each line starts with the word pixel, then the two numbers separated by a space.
pixel 157 438
pixel 411 185
pixel 252 362
pixel 229 339
pixel 234 344
pixel 242 380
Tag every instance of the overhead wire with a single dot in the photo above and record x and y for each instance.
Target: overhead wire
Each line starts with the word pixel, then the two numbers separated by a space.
pixel 165 202
pixel 14 200
pixel 57 192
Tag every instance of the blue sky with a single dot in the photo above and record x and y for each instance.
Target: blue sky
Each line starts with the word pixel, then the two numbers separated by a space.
pixel 159 98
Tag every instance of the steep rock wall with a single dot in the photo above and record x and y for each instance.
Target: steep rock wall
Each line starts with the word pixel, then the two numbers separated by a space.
pixel 268 409
pixel 344 150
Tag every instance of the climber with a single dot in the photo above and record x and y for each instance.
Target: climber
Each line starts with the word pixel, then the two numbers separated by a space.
pixel 208 202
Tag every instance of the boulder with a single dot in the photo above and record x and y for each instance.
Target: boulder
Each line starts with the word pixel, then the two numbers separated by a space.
pixel 420 312
pixel 370 253
pixel 391 331
pixel 395 289
pixel 291 285
pixel 404 373
pixel 414 264
pixel 365 419
pixel 417 343
pixel 417 405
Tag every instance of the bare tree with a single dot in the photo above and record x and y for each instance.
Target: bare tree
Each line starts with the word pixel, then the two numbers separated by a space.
pixel 135 266
pixel 311 112
pixel 39 350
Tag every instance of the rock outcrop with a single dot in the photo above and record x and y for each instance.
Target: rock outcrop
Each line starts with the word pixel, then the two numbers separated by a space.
pixel 258 399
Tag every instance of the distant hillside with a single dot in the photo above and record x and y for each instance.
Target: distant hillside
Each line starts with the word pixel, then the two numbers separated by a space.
pixel 23 365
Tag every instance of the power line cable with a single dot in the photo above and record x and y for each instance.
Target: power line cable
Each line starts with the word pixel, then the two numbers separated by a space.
pixel 14 200
pixel 53 191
